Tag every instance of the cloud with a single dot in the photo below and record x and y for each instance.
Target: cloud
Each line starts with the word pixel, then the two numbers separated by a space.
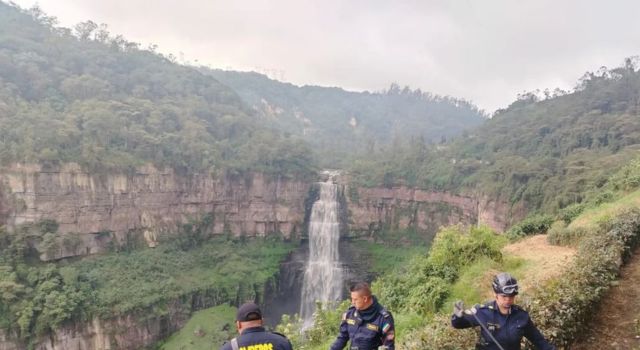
pixel 484 51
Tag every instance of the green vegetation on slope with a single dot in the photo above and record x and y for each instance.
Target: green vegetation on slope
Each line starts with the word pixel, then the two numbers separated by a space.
pixel 207 329
pixel 90 97
pixel 36 297
pixel 544 153
pixel 342 123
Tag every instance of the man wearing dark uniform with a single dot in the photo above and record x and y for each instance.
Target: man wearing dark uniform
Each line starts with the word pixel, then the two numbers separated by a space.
pixel 253 336
pixel 503 324
pixel 367 324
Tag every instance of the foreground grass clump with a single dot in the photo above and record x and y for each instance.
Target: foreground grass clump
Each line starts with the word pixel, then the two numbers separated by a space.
pixel 426 281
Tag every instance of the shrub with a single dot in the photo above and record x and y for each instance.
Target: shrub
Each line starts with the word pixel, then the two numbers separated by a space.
pixel 563 307
pixel 530 226
pixel 561 234
pixel 571 212
pixel 426 284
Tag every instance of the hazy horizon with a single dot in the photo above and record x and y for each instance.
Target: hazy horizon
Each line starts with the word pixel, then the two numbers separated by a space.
pixel 485 54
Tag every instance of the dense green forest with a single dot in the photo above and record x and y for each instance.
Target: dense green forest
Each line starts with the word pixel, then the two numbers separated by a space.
pixel 542 151
pixel 339 123
pixel 87 96
pixel 37 297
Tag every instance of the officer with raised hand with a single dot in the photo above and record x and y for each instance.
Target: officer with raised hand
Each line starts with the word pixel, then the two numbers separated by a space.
pixel 367 324
pixel 252 333
pixel 503 324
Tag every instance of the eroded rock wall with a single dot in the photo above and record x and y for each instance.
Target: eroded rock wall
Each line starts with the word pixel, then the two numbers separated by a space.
pixel 373 209
pixel 99 208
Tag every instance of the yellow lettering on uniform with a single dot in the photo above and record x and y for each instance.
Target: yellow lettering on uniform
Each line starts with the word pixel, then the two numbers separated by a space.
pixel 270 346
pixel 251 347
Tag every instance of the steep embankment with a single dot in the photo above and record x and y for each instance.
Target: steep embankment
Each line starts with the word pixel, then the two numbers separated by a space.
pixel 616 324
pixel 542 154
pixel 97 209
pixel 91 211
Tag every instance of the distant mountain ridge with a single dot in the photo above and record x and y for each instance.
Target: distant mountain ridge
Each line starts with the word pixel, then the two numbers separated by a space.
pixel 339 122
pixel 89 97
pixel 543 152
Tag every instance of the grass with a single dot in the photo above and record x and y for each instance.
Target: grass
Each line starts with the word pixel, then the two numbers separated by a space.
pixel 591 218
pixel 384 257
pixel 473 286
pixel 207 329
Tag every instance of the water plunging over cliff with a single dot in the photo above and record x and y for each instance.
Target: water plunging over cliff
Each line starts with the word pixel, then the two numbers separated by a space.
pixel 323 273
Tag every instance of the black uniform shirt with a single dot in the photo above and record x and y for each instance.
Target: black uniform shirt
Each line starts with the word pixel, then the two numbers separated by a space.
pixel 508 330
pixel 257 338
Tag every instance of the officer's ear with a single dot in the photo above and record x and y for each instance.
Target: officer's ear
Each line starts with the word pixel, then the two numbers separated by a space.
pixel 238 326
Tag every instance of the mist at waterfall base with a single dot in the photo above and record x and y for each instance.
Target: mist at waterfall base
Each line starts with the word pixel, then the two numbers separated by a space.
pixel 323 276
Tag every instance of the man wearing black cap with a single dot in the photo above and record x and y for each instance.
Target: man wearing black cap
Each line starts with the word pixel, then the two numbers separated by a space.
pixel 253 336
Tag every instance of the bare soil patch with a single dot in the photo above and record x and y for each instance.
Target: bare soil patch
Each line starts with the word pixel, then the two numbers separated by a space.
pixel 544 261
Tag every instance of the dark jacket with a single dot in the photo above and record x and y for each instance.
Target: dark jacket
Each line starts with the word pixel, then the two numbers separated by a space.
pixel 259 336
pixel 367 329
pixel 508 330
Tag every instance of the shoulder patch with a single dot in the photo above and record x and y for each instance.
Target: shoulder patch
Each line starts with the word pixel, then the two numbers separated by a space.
pixel 385 313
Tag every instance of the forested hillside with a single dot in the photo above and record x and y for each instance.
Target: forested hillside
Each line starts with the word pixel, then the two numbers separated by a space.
pixel 340 123
pixel 542 151
pixel 87 96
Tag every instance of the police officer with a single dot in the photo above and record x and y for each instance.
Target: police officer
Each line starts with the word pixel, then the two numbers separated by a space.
pixel 252 334
pixel 367 324
pixel 503 324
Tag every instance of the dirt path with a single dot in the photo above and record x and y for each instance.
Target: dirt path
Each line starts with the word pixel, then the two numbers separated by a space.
pixel 616 324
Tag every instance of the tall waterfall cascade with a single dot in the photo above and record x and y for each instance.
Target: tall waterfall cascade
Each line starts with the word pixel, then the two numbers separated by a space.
pixel 323 274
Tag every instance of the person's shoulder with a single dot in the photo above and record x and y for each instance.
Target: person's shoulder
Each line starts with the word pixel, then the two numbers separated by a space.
pixel 226 346
pixel 350 311
pixel 280 335
pixel 281 339
pixel 385 313
pixel 519 309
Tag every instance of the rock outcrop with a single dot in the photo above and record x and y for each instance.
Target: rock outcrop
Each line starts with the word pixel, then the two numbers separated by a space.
pixel 102 208
pixel 373 209
pixel 95 211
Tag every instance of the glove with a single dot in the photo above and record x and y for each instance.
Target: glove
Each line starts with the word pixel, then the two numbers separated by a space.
pixel 458 308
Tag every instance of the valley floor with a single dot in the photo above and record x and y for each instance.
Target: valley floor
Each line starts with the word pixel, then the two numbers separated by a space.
pixel 616 325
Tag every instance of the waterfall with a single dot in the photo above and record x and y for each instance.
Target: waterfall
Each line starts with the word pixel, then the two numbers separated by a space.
pixel 323 273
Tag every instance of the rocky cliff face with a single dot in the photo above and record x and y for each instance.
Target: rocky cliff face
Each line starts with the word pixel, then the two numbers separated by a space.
pixel 103 208
pixel 96 210
pixel 373 209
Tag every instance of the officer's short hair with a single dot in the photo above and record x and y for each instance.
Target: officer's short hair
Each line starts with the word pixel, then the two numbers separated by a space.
pixel 361 287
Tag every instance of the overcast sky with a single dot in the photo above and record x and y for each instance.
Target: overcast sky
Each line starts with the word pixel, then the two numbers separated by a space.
pixel 486 51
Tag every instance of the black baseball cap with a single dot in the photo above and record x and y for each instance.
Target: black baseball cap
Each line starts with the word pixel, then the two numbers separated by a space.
pixel 248 312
